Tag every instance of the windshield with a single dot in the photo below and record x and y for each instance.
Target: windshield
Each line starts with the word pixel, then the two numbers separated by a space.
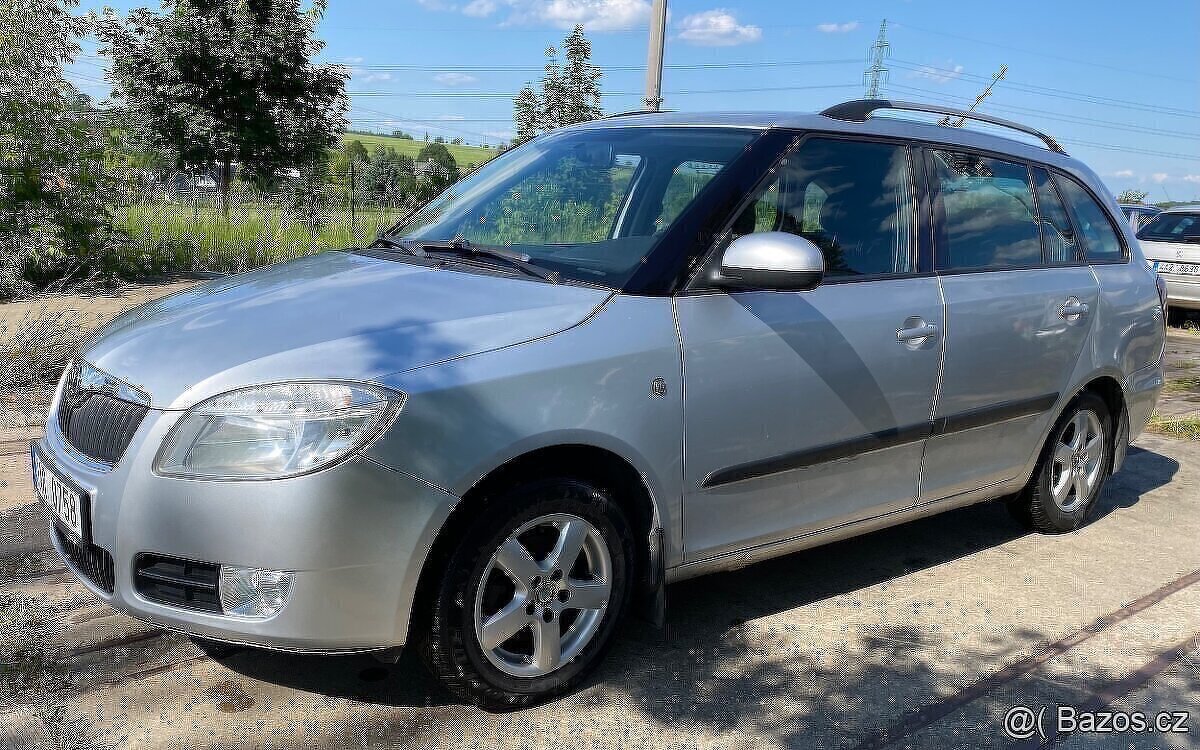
pixel 589 204
pixel 1172 227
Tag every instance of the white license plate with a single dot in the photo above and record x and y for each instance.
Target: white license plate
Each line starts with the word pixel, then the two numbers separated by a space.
pixel 1182 269
pixel 66 502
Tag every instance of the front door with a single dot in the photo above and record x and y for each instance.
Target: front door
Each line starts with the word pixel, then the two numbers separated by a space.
pixel 807 410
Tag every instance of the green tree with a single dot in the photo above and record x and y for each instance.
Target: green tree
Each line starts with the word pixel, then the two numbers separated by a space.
pixel 580 81
pixel 54 220
pixel 351 152
pixel 527 115
pixel 570 92
pixel 218 82
pixel 1132 196
pixel 388 177
pixel 437 170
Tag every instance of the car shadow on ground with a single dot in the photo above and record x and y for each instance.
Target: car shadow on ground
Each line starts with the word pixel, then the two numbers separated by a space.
pixel 713 666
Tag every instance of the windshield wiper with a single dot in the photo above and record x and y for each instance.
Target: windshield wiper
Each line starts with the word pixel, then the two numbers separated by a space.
pixel 464 247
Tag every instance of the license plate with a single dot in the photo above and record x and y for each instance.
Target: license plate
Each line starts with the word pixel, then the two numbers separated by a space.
pixel 68 504
pixel 1182 269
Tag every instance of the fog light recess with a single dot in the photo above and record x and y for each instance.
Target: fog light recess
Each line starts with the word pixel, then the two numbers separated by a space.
pixel 253 593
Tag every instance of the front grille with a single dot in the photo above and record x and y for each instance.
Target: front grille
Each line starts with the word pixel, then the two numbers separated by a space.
pixel 92 562
pixel 178 583
pixel 98 425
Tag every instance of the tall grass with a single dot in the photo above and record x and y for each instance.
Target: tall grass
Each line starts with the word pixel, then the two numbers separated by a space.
pixel 186 231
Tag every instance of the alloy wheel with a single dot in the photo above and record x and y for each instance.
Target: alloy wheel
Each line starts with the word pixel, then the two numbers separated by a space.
pixel 1078 461
pixel 543 595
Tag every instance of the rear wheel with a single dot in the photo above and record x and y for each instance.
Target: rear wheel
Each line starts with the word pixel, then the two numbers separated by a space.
pixel 531 598
pixel 1074 465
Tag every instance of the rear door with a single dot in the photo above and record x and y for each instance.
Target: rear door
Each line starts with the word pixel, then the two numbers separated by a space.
pixel 1019 304
pixel 806 410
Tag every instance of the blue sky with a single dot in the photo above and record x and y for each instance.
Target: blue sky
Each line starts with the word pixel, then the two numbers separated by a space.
pixel 1120 85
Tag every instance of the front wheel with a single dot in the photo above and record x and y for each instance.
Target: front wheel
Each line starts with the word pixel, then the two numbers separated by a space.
pixel 530 600
pixel 1075 462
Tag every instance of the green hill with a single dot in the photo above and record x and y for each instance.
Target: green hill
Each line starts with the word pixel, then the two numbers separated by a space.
pixel 466 156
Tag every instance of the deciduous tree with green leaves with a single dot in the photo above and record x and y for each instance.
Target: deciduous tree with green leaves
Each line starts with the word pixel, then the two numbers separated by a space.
pixel 219 82
pixel 54 220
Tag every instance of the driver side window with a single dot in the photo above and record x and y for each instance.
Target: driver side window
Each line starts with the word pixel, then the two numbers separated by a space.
pixel 852 199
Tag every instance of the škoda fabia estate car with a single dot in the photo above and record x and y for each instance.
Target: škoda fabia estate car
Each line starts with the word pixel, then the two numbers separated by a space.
pixel 623 354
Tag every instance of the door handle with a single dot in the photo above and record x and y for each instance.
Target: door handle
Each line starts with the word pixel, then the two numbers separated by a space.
pixel 917 333
pixel 1073 309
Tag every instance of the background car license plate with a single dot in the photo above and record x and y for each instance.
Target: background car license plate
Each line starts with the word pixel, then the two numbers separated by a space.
pixel 67 503
pixel 1184 269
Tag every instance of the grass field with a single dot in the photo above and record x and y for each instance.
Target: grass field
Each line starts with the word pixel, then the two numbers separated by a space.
pixel 466 156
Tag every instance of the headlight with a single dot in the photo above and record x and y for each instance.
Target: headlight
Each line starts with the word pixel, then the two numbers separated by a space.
pixel 275 431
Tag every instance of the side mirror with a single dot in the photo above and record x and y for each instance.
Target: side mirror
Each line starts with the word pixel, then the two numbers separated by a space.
pixel 771 260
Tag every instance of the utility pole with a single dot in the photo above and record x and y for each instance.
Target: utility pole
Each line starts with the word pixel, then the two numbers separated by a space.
pixel 996 78
pixel 877 74
pixel 654 57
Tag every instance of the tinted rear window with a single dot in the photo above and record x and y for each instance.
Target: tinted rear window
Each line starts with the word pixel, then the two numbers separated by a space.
pixel 987 215
pixel 1099 236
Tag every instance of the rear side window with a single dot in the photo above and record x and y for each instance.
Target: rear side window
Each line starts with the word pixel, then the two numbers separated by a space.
pixel 987 217
pixel 1058 239
pixel 852 199
pixel 1100 240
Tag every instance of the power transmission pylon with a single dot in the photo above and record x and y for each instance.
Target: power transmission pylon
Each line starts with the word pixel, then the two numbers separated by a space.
pixel 877 74
pixel 996 78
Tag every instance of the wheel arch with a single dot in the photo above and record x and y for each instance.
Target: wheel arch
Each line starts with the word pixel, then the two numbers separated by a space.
pixel 587 462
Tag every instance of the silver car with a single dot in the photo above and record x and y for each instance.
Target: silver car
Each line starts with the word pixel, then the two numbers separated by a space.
pixel 1171 243
pixel 626 353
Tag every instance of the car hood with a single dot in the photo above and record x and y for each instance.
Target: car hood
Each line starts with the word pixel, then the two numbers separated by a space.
pixel 1171 252
pixel 331 316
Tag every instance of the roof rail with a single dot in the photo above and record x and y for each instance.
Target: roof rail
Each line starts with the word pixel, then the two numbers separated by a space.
pixel 860 110
pixel 633 112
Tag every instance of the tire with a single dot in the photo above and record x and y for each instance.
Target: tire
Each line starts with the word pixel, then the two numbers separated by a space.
pixel 512 663
pixel 1070 475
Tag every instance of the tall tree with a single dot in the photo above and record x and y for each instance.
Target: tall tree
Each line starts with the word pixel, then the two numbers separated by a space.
pixel 53 190
pixel 527 115
pixel 218 82
pixel 570 91
pixel 437 170
pixel 580 80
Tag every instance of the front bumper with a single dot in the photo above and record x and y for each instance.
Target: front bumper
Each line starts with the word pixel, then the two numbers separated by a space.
pixel 356 536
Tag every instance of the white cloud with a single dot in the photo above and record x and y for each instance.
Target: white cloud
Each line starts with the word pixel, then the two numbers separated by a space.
pixel 1123 173
pixel 480 8
pixel 939 74
pixel 837 28
pixel 717 28
pixel 1160 177
pixel 595 15
pixel 454 79
pixel 362 75
pixel 1191 178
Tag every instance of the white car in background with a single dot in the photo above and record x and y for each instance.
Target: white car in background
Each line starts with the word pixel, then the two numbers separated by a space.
pixel 1171 243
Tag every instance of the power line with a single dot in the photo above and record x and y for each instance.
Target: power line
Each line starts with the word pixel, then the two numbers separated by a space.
pixel 753 64
pixel 1046 54
pixel 510 95
pixel 1056 116
pixel 1053 92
